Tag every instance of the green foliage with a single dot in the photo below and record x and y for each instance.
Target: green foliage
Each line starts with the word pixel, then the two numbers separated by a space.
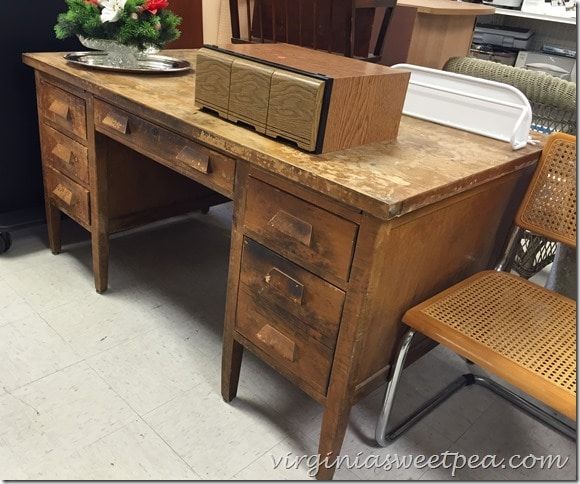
pixel 135 27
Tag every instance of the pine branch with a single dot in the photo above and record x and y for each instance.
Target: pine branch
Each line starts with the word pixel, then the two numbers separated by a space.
pixel 134 27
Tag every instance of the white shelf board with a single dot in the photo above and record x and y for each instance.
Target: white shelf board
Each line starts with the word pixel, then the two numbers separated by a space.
pixel 537 16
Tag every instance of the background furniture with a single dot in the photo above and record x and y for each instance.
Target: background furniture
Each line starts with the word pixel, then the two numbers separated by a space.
pixel 321 268
pixel 192 26
pixel 21 195
pixel 340 26
pixel 428 32
pixel 515 329
pixel 553 104
pixel 20 174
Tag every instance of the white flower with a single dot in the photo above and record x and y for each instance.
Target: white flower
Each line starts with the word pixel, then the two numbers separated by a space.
pixel 112 10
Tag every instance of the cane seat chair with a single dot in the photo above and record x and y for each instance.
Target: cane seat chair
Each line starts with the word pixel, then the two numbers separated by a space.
pixel 553 103
pixel 516 330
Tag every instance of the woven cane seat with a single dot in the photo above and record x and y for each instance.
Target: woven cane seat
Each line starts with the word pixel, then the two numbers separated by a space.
pixel 517 330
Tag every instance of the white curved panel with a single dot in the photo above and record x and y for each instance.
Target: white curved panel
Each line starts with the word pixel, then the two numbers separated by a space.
pixel 479 106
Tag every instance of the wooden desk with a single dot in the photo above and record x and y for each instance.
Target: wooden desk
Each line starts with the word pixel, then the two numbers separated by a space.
pixel 429 32
pixel 327 251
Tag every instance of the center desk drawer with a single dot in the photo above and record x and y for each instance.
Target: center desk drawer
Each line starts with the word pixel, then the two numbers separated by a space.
pixel 191 159
pixel 302 232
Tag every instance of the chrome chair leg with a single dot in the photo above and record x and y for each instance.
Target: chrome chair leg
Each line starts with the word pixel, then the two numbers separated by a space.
pixel 384 438
pixel 551 420
pixel 396 371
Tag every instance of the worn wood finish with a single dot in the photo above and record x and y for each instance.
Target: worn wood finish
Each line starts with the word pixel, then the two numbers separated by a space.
pixel 429 32
pixel 107 187
pixel 68 196
pixel 64 110
pixel 451 240
pixel 232 351
pixel 301 232
pixel 367 230
pixel 191 159
pixel 291 293
pixel 154 194
pixel 65 155
pixel 427 163
pixel 53 215
pixel 301 356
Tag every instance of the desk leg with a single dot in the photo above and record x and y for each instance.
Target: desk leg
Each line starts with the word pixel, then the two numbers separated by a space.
pixel 100 245
pixel 53 216
pixel 233 350
pixel 334 425
pixel 98 154
pixel 231 365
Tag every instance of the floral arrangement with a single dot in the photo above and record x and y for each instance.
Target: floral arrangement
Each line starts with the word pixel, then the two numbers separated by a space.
pixel 138 23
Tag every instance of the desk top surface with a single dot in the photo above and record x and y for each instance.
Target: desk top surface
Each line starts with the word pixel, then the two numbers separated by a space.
pixel 448 7
pixel 426 164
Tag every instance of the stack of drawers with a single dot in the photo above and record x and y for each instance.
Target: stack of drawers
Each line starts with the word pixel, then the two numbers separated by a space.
pixel 319 101
pixel 295 265
pixel 63 131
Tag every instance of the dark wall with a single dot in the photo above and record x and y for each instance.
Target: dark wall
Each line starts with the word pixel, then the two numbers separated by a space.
pixel 192 27
pixel 27 27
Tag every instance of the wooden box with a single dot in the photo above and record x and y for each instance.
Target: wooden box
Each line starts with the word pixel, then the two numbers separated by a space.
pixel 321 102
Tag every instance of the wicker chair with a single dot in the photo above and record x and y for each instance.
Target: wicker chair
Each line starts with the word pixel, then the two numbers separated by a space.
pixel 513 328
pixel 553 104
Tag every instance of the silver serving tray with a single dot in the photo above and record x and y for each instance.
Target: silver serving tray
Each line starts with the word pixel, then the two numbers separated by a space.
pixel 152 64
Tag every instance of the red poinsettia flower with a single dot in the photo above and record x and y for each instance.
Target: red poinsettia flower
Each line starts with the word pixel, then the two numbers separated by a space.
pixel 93 2
pixel 154 6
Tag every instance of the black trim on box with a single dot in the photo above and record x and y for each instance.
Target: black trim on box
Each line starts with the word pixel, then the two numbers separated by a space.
pixel 328 81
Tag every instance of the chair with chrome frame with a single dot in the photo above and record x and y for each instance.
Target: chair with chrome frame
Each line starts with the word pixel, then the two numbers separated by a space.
pixel 514 329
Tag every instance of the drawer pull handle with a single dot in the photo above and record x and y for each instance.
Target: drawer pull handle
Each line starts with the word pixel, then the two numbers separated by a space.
pixel 63 193
pixel 285 285
pixel 292 227
pixel 61 109
pixel 194 158
pixel 283 345
pixel 63 153
pixel 117 122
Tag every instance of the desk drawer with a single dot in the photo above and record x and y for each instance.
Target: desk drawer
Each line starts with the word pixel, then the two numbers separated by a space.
pixel 286 347
pixel 292 294
pixel 64 110
pixel 302 232
pixel 64 154
pixel 185 156
pixel 68 196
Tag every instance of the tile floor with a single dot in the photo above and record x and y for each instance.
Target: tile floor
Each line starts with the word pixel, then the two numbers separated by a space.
pixel 126 385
